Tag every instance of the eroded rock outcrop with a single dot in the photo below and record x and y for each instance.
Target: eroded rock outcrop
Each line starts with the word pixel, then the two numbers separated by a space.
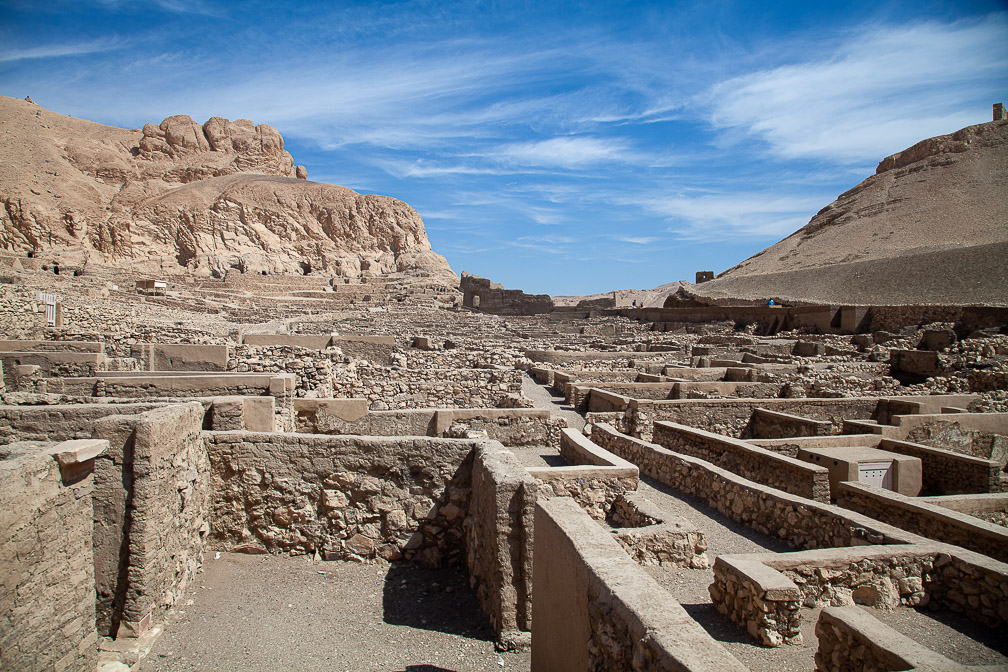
pixel 185 197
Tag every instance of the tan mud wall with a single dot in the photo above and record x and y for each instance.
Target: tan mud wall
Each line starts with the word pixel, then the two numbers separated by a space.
pixel 47 620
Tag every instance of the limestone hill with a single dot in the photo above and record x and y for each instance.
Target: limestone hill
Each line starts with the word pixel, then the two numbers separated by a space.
pixel 930 227
pixel 184 197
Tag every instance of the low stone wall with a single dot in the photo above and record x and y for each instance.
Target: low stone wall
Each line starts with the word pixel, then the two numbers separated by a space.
pixel 312 369
pixel 596 479
pixel 767 424
pixel 255 414
pixel 852 639
pixel 180 356
pixel 498 531
pixel 151 504
pixel 58 422
pixel 52 364
pixel 929 520
pixel 393 387
pixel 598 401
pixel 792 446
pixel 47 619
pixel 596 609
pixel 944 472
pixel 510 426
pixel 763 601
pixel 920 574
pixel 342 497
pixel 801 522
pixel 651 537
pixel 731 416
pixel 747 460
pixel 983 435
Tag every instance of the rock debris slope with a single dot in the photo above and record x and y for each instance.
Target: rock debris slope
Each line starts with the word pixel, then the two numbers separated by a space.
pixel 930 227
pixel 180 196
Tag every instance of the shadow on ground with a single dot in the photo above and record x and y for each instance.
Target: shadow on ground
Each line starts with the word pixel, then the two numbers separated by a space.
pixel 433 599
pixel 719 627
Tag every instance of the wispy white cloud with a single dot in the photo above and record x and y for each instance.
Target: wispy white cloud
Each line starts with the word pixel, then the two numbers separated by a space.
pixel 879 91
pixel 637 240
pixel 713 217
pixel 9 54
pixel 565 152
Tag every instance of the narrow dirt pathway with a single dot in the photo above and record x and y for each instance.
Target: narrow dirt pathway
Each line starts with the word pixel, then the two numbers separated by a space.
pixel 542 396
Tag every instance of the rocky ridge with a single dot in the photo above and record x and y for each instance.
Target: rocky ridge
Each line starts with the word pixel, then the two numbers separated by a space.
pixel 181 197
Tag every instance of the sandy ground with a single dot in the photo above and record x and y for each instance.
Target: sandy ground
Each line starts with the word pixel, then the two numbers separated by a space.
pixel 248 612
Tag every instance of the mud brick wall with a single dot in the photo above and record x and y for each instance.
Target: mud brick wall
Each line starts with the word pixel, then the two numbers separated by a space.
pixel 394 387
pixel 165 514
pixel 801 522
pixel 499 540
pixel 341 496
pixel 58 422
pixel 944 472
pixel 928 520
pixel 47 619
pixel 748 461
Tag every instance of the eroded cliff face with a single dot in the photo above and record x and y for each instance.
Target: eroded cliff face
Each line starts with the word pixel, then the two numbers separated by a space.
pixel 185 197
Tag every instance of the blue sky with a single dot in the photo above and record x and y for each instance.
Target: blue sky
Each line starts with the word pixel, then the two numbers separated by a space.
pixel 557 147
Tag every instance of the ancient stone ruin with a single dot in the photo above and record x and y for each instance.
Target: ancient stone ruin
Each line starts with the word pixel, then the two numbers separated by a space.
pixel 714 484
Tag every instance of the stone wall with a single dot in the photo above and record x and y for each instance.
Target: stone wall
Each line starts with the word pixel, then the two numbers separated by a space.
pixel 57 422
pixel 596 609
pixel 312 369
pixel 767 424
pixel 763 601
pixel 920 574
pixel 748 461
pixel 498 531
pixel 944 472
pixel 180 356
pixel 595 480
pixel 152 493
pixel 651 536
pixel 510 426
pixel 343 497
pixel 983 435
pixel 852 639
pixel 394 387
pixel 925 519
pixel 47 619
pixel 731 416
pixel 485 296
pixel 801 522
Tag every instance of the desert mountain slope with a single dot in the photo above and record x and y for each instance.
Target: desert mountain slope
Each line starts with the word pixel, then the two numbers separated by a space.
pixel 185 197
pixel 931 226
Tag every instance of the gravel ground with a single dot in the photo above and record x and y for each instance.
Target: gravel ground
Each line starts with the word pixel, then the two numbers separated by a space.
pixel 545 397
pixel 250 612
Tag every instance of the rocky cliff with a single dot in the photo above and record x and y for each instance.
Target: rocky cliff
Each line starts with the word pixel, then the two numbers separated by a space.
pixel 184 197
pixel 930 227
